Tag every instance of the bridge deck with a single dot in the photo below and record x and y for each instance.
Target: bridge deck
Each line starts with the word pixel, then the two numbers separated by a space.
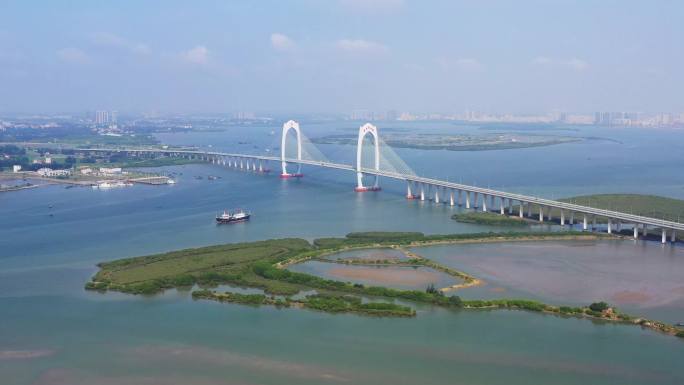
pixel 625 217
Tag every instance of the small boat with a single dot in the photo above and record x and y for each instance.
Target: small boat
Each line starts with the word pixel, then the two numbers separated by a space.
pixel 235 216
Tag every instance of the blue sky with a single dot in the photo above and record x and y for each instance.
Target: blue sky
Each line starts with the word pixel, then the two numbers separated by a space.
pixel 311 56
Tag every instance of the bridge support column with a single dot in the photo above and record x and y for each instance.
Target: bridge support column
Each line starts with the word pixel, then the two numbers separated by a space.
pixel 673 236
pixel 242 164
pixel 644 228
pixel 541 214
pixel 467 194
pixel 502 202
pixel 664 240
pixel 510 206
pixel 521 208
pixel 593 223
pixel 636 231
pixel 436 194
pixel 584 223
pixel 451 197
pixel 409 193
pixel 261 166
pixel 476 200
pixel 549 213
pixel 572 218
pixel 484 203
pixel 529 210
pixel 422 191
pixel 562 218
pixel 491 202
pixel 610 226
pixel 618 226
pixel 460 198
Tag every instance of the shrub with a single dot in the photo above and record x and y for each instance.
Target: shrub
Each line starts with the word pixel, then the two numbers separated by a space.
pixel 599 306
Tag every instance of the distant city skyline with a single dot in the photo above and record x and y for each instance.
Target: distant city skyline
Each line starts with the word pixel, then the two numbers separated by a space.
pixel 441 57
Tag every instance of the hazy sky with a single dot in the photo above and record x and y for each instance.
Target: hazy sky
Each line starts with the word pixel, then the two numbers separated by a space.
pixel 339 55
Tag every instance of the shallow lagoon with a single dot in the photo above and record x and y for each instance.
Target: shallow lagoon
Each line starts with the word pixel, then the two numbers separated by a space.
pixel 398 277
pixel 641 278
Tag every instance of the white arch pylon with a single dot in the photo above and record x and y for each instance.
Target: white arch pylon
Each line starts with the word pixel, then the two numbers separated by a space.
pixel 291 124
pixel 363 131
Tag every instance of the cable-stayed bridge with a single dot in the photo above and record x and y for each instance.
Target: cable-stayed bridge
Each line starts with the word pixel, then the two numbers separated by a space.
pixel 385 163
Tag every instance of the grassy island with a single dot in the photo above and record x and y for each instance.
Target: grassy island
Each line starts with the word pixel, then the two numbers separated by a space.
pixel 488 218
pixel 263 265
pixel 323 302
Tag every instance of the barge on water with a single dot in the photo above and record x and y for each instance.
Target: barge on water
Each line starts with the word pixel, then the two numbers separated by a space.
pixel 238 215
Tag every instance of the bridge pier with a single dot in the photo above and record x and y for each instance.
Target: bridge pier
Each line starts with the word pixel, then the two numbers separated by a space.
pixel 409 194
pixel 584 223
pixel 610 226
pixel 460 198
pixel 673 237
pixel 510 206
pixel 618 226
pixel 484 203
pixel 549 214
pixel 502 203
pixel 645 230
pixel 593 223
pixel 541 214
pixel 422 191
pixel 491 202
pixel 664 240
pixel 562 217
pixel 572 218
pixel 636 231
pixel 521 209
pixel 476 200
pixel 451 197
pixel 467 195
pixel 436 188
pixel 529 209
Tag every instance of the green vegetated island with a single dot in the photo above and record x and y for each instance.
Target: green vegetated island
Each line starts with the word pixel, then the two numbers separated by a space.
pixel 457 142
pixel 263 265
pixel 489 218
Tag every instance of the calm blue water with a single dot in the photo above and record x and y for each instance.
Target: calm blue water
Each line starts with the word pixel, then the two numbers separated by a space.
pixel 53 332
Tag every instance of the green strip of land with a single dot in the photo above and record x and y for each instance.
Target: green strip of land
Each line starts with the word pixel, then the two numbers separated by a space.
pixel 489 219
pixel 262 265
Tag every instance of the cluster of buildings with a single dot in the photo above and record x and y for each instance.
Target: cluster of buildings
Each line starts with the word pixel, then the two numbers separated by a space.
pixel 618 119
pixel 638 119
pixel 48 172
pixel 102 171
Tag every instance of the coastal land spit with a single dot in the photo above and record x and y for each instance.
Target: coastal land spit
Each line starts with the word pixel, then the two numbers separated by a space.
pixel 263 265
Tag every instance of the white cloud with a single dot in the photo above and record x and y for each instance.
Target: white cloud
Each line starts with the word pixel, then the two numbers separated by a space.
pixel 281 42
pixel 542 60
pixel 468 64
pixel 73 56
pixel 111 40
pixel 577 64
pixel 372 5
pixel 573 64
pixel 361 46
pixel 197 55
pixel 460 64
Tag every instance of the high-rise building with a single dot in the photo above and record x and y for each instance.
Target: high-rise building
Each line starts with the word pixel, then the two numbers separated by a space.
pixel 101 117
pixel 113 116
